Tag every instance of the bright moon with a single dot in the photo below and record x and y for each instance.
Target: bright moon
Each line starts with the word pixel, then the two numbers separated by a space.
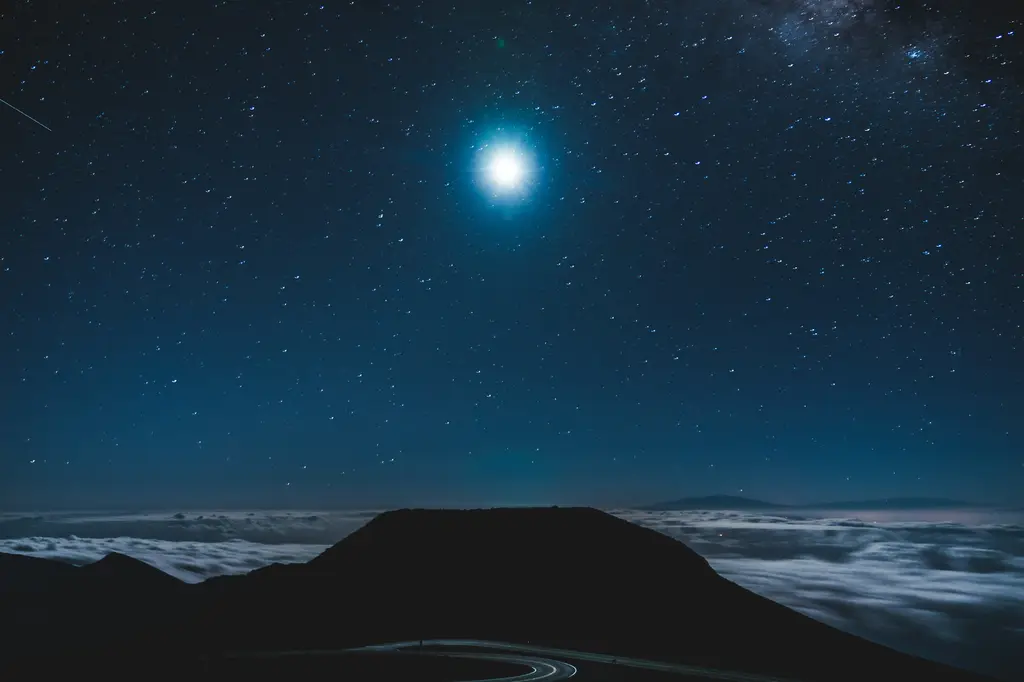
pixel 506 169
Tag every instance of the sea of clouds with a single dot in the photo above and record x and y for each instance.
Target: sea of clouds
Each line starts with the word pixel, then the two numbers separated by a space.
pixel 192 546
pixel 946 585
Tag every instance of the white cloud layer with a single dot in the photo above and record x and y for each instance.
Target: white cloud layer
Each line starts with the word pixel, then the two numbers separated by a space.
pixel 190 561
pixel 939 588
pixel 948 586
pixel 267 527
pixel 192 546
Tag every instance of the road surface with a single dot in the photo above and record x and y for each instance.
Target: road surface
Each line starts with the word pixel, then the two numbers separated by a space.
pixel 542 668
pixel 548 670
pixel 552 656
pixel 545 663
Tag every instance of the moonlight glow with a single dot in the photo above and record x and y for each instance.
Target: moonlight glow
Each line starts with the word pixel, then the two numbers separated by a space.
pixel 506 169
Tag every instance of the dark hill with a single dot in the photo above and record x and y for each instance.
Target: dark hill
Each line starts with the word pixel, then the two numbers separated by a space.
pixel 128 573
pixel 574 578
pixel 571 578
pixel 21 573
pixel 517 538
pixel 65 609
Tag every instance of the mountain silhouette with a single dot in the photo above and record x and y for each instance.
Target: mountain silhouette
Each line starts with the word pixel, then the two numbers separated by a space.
pixel 731 502
pixel 714 502
pixel 898 503
pixel 571 578
pixel 28 574
pixel 127 572
pixel 114 572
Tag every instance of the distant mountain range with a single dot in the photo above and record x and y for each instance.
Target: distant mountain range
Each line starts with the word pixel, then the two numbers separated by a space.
pixel 571 578
pixel 731 502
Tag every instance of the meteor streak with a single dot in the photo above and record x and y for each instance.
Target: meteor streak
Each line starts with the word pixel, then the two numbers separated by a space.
pixel 24 114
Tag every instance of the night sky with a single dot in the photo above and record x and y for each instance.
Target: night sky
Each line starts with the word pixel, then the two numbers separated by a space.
pixel 255 253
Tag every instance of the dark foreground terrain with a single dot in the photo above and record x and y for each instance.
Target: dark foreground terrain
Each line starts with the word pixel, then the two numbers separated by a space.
pixel 356 667
pixel 575 579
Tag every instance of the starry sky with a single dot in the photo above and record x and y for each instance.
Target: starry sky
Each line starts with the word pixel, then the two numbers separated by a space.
pixel 251 253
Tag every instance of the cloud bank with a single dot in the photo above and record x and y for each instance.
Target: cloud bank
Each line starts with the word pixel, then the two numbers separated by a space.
pixel 190 546
pixel 941 589
pixel 947 586
pixel 268 527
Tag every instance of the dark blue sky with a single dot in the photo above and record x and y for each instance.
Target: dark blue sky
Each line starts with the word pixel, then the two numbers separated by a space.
pixel 769 249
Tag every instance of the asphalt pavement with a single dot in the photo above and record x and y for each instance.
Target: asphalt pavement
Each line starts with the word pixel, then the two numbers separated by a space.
pixel 540 668
pixel 544 663
pixel 555 656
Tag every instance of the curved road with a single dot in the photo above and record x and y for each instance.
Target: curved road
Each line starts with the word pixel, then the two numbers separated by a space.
pixel 692 670
pixel 545 662
pixel 548 670
pixel 542 668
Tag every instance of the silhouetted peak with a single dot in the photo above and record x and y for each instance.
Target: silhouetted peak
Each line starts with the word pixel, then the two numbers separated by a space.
pixel 128 570
pixel 900 503
pixel 567 537
pixel 573 578
pixel 715 502
pixel 733 502
pixel 20 572
pixel 14 562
